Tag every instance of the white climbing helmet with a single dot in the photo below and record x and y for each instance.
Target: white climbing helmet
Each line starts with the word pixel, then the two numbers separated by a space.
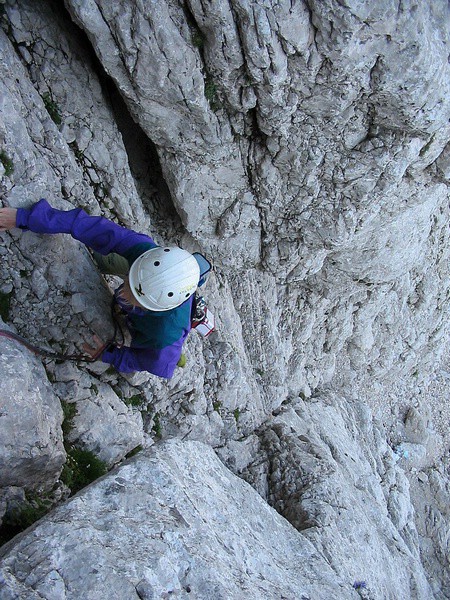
pixel 163 278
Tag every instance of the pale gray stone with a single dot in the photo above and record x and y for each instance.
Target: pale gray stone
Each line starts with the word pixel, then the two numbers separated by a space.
pixel 432 502
pixel 31 448
pixel 105 425
pixel 39 284
pixel 141 530
pixel 304 148
pixel 416 429
pixel 339 484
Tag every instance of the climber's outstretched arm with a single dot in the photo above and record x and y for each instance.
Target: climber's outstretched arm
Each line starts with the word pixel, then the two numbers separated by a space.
pixel 98 233
pixel 7 218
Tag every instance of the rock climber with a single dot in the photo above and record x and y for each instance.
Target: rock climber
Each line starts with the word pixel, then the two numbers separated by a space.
pixel 157 294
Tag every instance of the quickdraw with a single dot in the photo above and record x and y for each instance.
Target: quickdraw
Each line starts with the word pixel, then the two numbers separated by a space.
pixel 202 319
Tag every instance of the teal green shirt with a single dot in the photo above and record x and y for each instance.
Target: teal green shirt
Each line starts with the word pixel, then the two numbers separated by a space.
pixel 156 329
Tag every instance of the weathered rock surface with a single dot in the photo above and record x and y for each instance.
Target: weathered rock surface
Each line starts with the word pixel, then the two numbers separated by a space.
pixel 106 426
pixel 326 467
pixel 318 166
pixel 31 444
pixel 171 522
pixel 304 146
pixel 101 423
pixel 431 491
pixel 343 283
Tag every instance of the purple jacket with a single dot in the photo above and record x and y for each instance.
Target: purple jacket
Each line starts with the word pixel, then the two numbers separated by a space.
pixel 104 236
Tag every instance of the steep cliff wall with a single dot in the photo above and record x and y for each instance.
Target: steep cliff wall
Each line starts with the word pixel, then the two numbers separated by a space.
pixel 169 539
pixel 304 147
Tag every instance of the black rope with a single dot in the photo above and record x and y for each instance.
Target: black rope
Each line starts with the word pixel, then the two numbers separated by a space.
pixel 73 357
pixel 48 353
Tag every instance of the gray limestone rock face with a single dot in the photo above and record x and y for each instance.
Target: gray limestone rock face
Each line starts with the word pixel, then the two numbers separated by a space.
pixel 304 147
pixel 298 142
pixel 98 420
pixel 432 492
pixel 172 522
pixel 106 426
pixel 31 445
pixel 91 150
pixel 320 217
pixel 324 465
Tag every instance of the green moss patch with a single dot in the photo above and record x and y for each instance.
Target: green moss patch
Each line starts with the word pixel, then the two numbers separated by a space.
pixel 82 467
pixel 17 520
pixel 7 163
pixel 5 305
pixel 52 108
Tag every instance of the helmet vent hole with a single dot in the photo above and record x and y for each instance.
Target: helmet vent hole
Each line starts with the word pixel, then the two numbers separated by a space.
pixel 170 294
pixel 156 263
pixel 166 249
pixel 187 295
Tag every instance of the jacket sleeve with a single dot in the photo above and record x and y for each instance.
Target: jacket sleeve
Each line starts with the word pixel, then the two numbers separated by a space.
pixel 160 362
pixel 98 233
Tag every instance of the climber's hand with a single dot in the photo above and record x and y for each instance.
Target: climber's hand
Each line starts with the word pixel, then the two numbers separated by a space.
pixel 7 218
pixel 94 350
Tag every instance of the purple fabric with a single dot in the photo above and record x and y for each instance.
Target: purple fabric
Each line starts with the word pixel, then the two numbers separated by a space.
pixel 159 362
pixel 104 236
pixel 98 233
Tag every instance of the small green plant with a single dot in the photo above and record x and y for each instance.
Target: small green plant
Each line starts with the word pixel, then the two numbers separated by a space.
pixel 94 388
pixel 52 108
pixel 69 412
pixel 23 516
pixel 236 414
pixel 157 426
pixel 27 514
pixel 7 163
pixel 216 405
pixel 136 400
pixel 198 39
pixel 133 452
pixel 210 89
pixel 5 305
pixel 81 468
pixel 211 93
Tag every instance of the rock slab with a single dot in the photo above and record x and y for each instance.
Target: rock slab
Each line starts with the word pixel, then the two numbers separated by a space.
pixel 172 522
pixel 31 443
